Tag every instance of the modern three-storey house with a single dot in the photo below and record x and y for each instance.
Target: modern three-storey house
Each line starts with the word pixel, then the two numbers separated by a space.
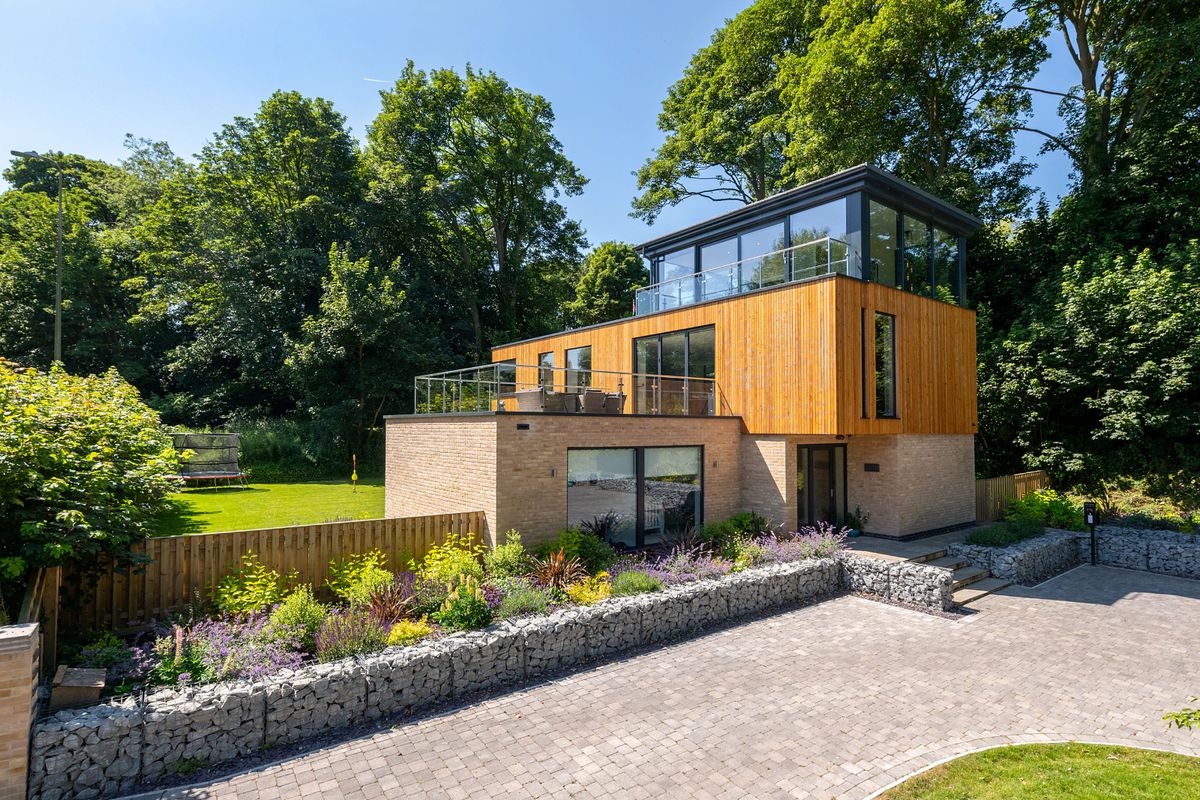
pixel 807 357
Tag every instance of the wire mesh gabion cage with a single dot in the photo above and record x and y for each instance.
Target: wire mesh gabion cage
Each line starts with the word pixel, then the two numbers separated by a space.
pixel 213 458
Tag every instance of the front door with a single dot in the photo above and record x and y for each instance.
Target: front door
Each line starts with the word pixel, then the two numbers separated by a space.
pixel 820 484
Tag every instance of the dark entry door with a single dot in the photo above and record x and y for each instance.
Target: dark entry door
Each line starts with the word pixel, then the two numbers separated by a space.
pixel 820 483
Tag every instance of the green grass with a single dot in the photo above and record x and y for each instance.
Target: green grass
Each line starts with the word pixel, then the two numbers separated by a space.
pixel 1048 771
pixel 269 505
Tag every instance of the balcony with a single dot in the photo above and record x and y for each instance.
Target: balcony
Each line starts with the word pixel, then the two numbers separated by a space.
pixel 508 387
pixel 822 256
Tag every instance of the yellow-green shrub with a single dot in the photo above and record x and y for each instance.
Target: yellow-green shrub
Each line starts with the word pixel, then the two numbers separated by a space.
pixel 409 631
pixel 348 572
pixel 460 555
pixel 253 587
pixel 590 590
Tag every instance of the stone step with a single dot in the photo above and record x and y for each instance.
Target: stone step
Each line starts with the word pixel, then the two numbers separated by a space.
pixel 932 555
pixel 964 576
pixel 948 562
pixel 980 588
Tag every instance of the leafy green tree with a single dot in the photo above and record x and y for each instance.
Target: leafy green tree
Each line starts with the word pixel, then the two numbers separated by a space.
pixel 1108 384
pixel 475 163
pixel 84 464
pixel 927 89
pixel 611 275
pixel 723 119
pixel 356 355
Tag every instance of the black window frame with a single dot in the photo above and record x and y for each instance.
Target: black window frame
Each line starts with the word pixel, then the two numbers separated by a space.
pixel 545 370
pixel 895 368
pixel 687 353
pixel 585 371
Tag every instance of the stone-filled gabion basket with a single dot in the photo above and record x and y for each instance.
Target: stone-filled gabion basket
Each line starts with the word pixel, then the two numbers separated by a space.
pixel 108 749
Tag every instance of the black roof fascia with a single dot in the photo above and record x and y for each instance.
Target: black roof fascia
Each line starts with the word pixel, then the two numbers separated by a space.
pixel 877 182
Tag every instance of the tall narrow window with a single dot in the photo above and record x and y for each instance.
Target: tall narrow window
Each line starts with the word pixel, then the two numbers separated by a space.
pixel 579 368
pixel 916 256
pixel 546 370
pixel 945 266
pixel 884 229
pixel 885 365
pixel 862 332
pixel 677 278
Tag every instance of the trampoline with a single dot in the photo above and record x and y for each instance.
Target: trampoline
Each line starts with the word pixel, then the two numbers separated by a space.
pixel 214 459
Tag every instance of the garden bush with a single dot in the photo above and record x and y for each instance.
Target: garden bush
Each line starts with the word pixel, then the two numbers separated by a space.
pixel 295 449
pixel 1003 534
pixel 1047 507
pixel 252 588
pixel 85 469
pixel 346 573
pixel 395 599
pixel 460 555
pixel 298 617
pixel 520 597
pixel 215 650
pixel 465 608
pixel 557 570
pixel 590 590
pixel 408 631
pixel 594 554
pixel 635 581
pixel 508 560
pixel 371 581
pixel 352 632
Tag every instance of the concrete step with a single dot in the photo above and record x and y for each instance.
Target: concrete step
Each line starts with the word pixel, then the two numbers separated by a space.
pixel 948 562
pixel 932 555
pixel 964 576
pixel 980 588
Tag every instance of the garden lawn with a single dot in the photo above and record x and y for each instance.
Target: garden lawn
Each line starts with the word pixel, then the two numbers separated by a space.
pixel 1047 771
pixel 269 505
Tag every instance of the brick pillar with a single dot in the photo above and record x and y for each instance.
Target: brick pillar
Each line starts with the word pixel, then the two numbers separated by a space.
pixel 18 697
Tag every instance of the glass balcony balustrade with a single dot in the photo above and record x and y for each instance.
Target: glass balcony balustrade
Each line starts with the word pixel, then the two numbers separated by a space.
pixel 822 256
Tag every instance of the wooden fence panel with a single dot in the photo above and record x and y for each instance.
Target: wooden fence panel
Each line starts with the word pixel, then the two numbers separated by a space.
pixel 185 567
pixel 992 495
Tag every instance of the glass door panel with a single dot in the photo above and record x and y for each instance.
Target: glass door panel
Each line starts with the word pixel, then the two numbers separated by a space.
pixel 714 282
pixel 645 385
pixel 603 482
pixel 671 493
pixel 674 363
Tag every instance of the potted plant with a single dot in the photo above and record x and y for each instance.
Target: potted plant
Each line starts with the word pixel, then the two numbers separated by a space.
pixel 857 520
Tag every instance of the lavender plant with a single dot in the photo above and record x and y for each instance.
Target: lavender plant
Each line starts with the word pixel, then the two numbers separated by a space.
pixel 351 632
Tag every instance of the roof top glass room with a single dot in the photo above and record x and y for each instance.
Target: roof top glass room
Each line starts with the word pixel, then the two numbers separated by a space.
pixel 863 222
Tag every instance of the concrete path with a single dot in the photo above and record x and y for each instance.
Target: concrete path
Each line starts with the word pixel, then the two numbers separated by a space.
pixel 835 700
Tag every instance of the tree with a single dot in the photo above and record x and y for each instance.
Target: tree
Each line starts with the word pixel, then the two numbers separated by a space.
pixel 356 355
pixel 474 162
pixel 927 89
pixel 611 275
pixel 84 464
pixel 234 252
pixel 723 119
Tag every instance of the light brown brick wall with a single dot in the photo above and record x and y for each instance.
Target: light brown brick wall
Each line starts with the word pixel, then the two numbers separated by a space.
pixel 941 469
pixel 769 478
pixel 441 465
pixel 875 492
pixel 532 464
pixel 18 695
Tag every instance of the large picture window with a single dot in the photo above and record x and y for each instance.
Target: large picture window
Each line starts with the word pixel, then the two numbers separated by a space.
pixel 885 365
pixel 916 256
pixel 637 495
pixel 945 266
pixel 677 274
pixel 885 227
pixel 818 239
pixel 666 365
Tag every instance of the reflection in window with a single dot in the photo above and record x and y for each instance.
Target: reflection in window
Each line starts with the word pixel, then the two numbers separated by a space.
pixel 945 266
pixel 680 356
pixel 676 274
pixel 763 260
pixel 810 228
pixel 579 365
pixel 916 256
pixel 603 482
pixel 506 375
pixel 718 263
pixel 672 493
pixel 885 365
pixel 546 370
pixel 885 223
pixel 646 365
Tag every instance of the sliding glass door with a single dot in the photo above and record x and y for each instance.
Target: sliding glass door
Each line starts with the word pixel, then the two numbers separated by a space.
pixel 666 363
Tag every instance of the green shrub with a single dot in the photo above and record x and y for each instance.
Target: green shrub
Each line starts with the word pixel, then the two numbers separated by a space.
pixel 593 554
pixel 296 449
pixel 520 597
pixel 1005 533
pixel 252 588
pixel 464 611
pixel 508 560
pixel 349 633
pixel 370 581
pixel 460 555
pixel 298 617
pixel 1047 507
pixel 105 652
pixel 635 582
pixel 722 536
pixel 85 466
pixel 408 631
pixel 348 572
pixel 3 614
pixel 744 552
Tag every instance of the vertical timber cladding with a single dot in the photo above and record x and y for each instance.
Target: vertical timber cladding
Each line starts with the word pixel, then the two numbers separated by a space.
pixel 789 359
pixel 935 362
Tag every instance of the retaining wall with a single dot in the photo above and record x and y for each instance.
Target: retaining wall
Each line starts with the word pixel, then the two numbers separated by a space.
pixel 109 749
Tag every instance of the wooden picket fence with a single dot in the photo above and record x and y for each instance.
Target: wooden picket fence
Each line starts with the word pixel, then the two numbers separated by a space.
pixel 40 605
pixel 992 495
pixel 185 569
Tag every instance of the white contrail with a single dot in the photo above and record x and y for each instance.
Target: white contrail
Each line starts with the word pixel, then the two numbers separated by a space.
pixel 375 80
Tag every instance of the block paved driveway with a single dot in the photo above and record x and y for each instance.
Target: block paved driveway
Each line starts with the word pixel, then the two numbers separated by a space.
pixel 835 700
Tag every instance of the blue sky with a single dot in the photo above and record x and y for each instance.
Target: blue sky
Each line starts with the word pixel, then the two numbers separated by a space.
pixel 78 76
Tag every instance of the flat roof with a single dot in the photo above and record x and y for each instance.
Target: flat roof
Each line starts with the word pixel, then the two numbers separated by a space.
pixel 864 176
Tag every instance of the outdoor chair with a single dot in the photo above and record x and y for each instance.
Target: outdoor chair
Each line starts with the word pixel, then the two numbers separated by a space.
pixel 530 400
pixel 559 403
pixel 593 401
pixel 614 403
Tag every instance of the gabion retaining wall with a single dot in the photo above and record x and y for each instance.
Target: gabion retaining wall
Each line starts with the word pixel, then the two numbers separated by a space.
pixel 1165 552
pixel 109 749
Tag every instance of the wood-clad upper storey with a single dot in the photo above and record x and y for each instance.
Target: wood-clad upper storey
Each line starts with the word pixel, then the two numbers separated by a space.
pixel 790 359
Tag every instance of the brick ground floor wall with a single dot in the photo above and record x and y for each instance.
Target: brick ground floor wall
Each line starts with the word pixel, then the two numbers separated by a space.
pixel 19 665
pixel 513 467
